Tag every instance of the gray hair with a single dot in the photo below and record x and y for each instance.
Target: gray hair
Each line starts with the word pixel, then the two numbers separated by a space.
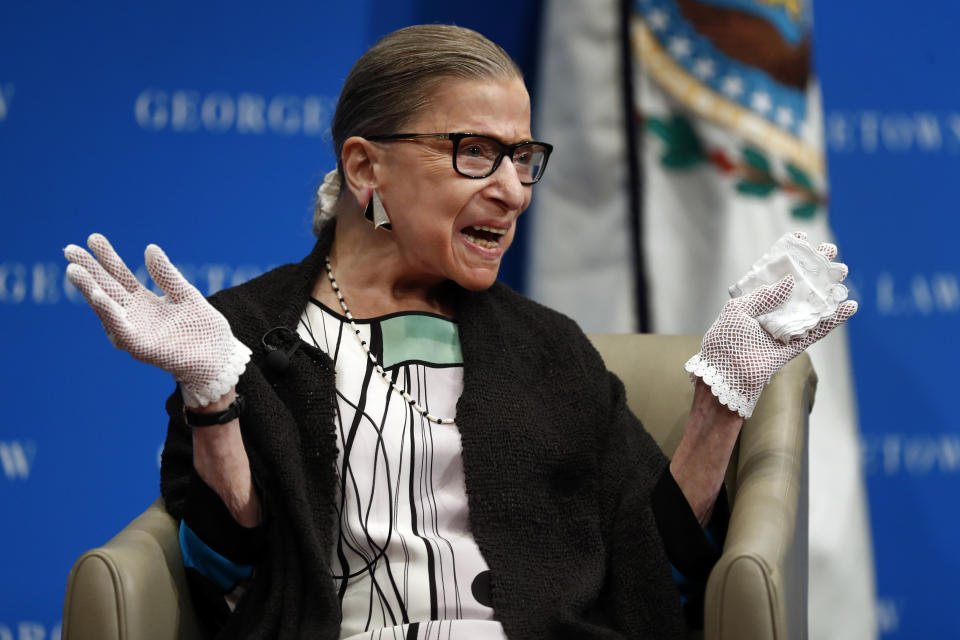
pixel 395 80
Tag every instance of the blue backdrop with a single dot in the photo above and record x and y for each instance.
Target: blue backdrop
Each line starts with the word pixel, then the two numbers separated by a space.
pixel 203 127
pixel 893 132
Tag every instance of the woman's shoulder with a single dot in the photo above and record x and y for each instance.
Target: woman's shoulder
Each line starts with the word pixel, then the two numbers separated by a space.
pixel 281 290
pixel 528 325
pixel 272 299
pixel 513 308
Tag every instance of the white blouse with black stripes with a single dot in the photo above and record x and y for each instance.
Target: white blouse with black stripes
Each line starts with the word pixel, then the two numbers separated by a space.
pixel 405 563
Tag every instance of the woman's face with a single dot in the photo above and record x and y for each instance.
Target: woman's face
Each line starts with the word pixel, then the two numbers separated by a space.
pixel 445 225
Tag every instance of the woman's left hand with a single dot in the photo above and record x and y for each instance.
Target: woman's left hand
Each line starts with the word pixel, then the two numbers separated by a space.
pixel 738 356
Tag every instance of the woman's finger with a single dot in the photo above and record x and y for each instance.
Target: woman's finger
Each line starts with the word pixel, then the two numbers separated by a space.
pixel 841 271
pixel 167 276
pixel 113 318
pixel 80 257
pixel 847 309
pixel 110 313
pixel 112 263
pixel 83 281
pixel 768 297
pixel 838 270
pixel 825 326
pixel 828 250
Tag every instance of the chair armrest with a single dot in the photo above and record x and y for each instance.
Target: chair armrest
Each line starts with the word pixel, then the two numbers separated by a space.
pixel 758 589
pixel 133 587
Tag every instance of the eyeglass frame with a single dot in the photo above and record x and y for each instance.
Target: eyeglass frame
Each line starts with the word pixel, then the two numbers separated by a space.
pixel 456 138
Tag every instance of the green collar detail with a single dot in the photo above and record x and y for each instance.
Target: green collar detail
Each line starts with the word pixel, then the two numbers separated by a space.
pixel 420 338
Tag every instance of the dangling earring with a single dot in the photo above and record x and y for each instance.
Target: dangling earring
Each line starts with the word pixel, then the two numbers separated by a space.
pixel 376 214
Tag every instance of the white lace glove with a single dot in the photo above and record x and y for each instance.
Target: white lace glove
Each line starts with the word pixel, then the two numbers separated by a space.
pixel 738 356
pixel 180 332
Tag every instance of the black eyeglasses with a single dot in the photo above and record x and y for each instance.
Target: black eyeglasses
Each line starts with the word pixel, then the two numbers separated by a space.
pixel 478 156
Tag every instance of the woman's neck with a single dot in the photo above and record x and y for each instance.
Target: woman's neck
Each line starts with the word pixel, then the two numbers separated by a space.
pixel 374 278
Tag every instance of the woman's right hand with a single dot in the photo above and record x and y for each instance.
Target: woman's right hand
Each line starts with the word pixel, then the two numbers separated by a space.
pixel 179 332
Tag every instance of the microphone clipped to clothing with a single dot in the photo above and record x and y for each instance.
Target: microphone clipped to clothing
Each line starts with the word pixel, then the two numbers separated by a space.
pixel 281 343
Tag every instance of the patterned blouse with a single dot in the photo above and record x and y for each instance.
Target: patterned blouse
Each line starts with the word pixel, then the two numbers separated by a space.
pixel 405 563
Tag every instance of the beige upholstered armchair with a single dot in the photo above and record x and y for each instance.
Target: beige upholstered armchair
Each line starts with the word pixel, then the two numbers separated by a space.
pixel 134 587
pixel 758 589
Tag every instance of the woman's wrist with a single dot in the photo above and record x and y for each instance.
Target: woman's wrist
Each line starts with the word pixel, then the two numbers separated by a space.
pixel 701 459
pixel 220 459
pixel 708 412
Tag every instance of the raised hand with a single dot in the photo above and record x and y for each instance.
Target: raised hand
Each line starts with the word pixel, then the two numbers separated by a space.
pixel 179 332
pixel 738 356
pixel 817 289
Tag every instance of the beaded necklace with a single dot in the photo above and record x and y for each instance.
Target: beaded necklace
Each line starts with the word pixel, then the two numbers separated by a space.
pixel 383 374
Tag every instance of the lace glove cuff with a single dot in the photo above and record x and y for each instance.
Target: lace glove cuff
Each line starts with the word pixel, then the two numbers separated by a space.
pixel 699 367
pixel 201 391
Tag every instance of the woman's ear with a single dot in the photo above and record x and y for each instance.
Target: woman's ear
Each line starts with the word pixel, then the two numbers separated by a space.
pixel 359 158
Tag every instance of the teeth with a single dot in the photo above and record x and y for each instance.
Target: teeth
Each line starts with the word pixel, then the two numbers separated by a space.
pixel 490 229
pixel 489 244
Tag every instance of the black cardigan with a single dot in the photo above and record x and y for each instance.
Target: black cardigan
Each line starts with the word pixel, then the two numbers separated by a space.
pixel 559 474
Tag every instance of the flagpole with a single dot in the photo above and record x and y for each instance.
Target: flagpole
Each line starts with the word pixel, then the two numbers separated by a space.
pixel 634 171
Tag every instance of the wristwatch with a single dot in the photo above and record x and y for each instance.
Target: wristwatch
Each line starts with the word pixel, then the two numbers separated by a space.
pixel 194 419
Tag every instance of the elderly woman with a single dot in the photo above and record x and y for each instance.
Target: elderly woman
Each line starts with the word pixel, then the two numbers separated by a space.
pixel 383 441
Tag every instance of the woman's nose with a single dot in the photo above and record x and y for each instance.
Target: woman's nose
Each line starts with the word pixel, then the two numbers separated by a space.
pixel 513 192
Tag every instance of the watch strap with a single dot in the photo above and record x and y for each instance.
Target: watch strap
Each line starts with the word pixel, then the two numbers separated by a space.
pixel 194 419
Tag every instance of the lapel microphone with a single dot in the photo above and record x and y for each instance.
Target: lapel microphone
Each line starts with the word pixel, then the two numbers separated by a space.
pixel 281 343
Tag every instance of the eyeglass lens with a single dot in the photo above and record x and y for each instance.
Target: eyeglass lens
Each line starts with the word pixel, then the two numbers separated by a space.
pixel 477 155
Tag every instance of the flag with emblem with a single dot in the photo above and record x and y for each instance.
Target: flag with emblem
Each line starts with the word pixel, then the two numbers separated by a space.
pixel 688 139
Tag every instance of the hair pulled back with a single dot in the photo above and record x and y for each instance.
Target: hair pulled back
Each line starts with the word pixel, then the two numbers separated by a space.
pixel 396 79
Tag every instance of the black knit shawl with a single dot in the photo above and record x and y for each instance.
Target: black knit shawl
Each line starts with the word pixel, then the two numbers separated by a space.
pixel 558 472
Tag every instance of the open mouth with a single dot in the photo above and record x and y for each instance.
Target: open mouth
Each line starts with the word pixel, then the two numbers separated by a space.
pixel 484 236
